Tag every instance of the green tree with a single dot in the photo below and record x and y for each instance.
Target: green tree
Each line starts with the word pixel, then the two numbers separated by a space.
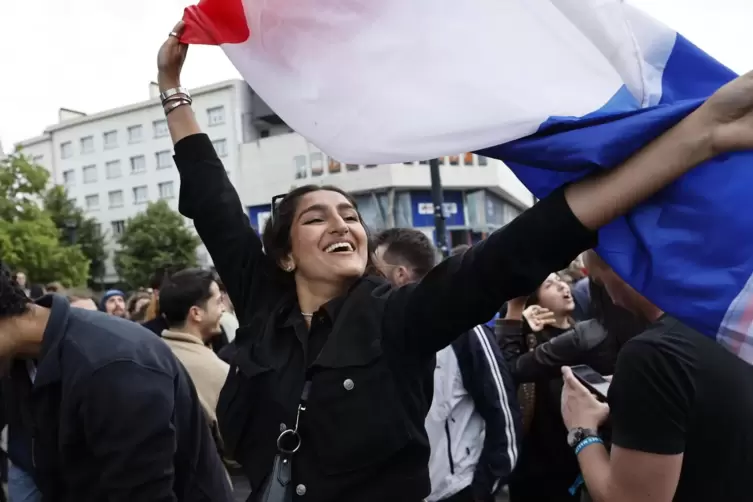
pixel 29 239
pixel 154 238
pixel 33 244
pixel 21 184
pixel 76 228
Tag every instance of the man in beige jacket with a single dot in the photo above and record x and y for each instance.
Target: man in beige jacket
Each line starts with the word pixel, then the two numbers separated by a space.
pixel 191 303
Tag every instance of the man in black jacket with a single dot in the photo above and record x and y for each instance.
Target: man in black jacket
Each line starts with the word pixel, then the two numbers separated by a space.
pixel 474 424
pixel 112 414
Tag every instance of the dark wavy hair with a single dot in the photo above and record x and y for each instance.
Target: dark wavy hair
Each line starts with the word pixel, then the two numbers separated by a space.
pixel 13 300
pixel 276 235
pixel 621 324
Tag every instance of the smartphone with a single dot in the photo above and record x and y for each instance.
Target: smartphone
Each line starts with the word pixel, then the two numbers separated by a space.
pixel 592 380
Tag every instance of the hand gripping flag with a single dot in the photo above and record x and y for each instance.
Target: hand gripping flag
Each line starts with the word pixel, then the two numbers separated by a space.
pixel 555 88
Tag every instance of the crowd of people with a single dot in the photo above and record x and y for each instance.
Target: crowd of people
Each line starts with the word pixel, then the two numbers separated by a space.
pixel 328 364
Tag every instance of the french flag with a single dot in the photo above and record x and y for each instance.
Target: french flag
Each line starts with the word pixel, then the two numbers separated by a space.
pixel 554 88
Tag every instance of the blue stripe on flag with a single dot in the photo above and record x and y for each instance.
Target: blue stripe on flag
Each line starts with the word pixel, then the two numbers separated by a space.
pixel 689 249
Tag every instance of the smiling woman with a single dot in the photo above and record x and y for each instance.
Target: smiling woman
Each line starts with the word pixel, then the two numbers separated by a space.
pixel 317 234
pixel 327 393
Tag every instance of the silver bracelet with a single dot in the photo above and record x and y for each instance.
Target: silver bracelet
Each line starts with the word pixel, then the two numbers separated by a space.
pixel 172 92
pixel 175 104
pixel 177 97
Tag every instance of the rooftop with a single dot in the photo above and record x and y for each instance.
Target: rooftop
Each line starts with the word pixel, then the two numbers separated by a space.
pixel 71 118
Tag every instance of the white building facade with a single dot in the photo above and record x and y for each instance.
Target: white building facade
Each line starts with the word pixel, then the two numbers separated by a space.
pixel 480 194
pixel 114 162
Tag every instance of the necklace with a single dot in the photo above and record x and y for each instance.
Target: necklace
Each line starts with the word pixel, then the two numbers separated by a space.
pixel 307 316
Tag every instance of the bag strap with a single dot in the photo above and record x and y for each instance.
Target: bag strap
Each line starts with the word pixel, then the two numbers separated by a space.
pixel 292 435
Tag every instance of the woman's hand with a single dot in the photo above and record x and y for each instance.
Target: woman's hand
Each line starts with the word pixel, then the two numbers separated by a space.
pixel 538 317
pixel 170 59
pixel 729 112
pixel 579 407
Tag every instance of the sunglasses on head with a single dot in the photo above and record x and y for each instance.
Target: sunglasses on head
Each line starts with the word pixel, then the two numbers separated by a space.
pixel 276 200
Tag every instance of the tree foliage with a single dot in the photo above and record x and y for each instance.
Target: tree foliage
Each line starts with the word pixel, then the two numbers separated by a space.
pixel 152 239
pixel 76 228
pixel 29 238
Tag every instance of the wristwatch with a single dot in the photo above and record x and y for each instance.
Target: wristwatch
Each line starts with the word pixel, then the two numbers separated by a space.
pixel 578 434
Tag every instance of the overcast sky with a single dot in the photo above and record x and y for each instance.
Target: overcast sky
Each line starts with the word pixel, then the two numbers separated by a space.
pixel 91 55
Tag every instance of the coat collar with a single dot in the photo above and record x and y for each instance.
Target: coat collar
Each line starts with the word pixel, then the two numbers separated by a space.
pixel 48 363
pixel 179 336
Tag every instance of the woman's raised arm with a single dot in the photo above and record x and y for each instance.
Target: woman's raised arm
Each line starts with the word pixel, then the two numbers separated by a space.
pixel 206 194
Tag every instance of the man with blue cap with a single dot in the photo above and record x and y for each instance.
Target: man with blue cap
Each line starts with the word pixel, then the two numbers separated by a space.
pixel 113 303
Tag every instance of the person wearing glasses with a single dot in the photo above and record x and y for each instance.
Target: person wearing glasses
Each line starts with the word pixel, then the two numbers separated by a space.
pixel 326 396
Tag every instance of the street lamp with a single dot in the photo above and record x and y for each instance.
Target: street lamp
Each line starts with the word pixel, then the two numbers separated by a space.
pixel 437 198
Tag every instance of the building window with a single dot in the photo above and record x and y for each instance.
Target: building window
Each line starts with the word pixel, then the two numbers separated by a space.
pixel 111 139
pixel 37 159
pixel 87 144
pixel 116 198
pixel 98 229
pixel 334 166
pixel 90 174
pixel 317 163
pixel 112 169
pixel 220 146
pixel 135 134
pixel 138 164
pixel 164 159
pixel 160 128
pixel 482 161
pixel 140 195
pixel 216 115
pixel 300 166
pixel 92 202
pixel 66 150
pixel 118 227
pixel 69 178
pixel 351 167
pixel 468 159
pixel 454 160
pixel 370 166
pixel 166 190
pixel 408 163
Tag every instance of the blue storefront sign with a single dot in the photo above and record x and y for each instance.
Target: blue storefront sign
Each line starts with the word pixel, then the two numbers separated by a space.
pixel 422 208
pixel 258 216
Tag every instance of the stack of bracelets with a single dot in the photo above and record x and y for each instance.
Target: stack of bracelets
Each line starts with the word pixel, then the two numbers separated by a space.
pixel 175 97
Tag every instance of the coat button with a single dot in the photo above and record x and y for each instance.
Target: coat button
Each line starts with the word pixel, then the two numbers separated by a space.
pixel 348 384
pixel 300 490
pixel 283 427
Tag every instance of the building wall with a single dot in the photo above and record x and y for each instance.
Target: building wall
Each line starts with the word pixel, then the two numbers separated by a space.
pixel 161 181
pixel 276 164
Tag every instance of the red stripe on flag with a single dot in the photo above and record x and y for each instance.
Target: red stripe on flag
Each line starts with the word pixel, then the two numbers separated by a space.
pixel 215 22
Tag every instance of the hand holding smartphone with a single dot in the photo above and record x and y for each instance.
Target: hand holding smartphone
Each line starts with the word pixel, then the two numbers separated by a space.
pixel 592 380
